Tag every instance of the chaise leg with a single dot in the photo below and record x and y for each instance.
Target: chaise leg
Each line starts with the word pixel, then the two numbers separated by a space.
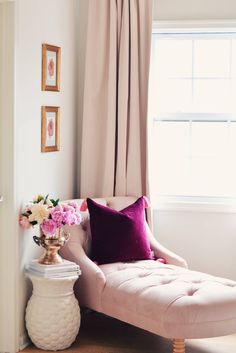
pixel 178 345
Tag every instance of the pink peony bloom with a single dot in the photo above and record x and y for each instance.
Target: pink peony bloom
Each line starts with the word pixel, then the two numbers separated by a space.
pixel 58 208
pixel 24 222
pixel 69 218
pixel 68 208
pixel 57 216
pixel 74 205
pixel 49 227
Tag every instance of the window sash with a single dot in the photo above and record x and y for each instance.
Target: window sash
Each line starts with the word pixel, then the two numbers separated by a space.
pixel 195 117
pixel 194 34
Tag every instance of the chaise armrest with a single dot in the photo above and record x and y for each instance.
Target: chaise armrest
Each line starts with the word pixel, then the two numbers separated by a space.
pixel 92 279
pixel 160 251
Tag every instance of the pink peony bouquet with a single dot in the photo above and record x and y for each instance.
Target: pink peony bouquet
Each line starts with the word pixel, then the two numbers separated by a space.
pixel 49 214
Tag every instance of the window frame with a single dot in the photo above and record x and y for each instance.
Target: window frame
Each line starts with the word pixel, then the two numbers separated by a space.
pixel 194 203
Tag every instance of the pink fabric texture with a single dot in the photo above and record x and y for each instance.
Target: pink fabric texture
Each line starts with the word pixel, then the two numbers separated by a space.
pixel 168 300
pixel 114 131
pixel 119 235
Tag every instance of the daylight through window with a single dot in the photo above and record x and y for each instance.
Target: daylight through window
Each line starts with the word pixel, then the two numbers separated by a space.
pixel 192 109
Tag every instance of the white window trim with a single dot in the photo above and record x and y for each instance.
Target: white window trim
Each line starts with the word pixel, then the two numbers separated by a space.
pixel 195 117
pixel 194 204
pixel 210 26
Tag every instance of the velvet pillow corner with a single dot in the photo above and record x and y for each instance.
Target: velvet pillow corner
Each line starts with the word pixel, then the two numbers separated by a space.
pixel 119 236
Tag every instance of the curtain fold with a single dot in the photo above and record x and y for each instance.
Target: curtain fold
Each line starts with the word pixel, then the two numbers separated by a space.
pixel 114 128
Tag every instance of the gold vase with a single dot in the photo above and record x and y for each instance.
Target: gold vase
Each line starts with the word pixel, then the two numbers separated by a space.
pixel 51 246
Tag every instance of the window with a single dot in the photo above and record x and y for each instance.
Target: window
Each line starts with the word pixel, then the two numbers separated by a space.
pixel 192 109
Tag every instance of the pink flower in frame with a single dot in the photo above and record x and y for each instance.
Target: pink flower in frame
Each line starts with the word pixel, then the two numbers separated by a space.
pixel 51 67
pixel 50 128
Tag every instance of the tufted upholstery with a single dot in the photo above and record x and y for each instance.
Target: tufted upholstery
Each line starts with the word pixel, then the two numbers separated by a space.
pixel 168 300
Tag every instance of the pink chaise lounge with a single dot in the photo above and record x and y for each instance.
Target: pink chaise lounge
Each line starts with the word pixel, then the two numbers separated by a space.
pixel 166 299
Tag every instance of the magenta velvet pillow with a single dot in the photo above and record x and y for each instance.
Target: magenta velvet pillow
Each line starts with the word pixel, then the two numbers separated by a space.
pixel 119 236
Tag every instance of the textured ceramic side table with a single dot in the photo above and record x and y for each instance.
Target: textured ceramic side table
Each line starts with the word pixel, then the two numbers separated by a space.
pixel 52 313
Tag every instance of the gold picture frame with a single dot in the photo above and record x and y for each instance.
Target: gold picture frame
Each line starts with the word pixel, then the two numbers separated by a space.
pixel 51 67
pixel 50 129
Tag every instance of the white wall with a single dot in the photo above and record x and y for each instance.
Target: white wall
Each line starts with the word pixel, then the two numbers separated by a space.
pixel 194 9
pixel 207 240
pixel 37 22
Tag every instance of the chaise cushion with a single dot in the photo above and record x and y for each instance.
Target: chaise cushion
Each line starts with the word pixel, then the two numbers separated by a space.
pixel 119 235
pixel 168 300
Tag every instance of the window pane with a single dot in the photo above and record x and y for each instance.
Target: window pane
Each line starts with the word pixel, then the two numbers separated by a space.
pixel 208 176
pixel 171 137
pixel 233 96
pixel 233 59
pixel 211 58
pixel 173 57
pixel 209 158
pixel 232 141
pixel 170 157
pixel 231 177
pixel 212 95
pixel 209 139
pixel 173 96
pixel 173 177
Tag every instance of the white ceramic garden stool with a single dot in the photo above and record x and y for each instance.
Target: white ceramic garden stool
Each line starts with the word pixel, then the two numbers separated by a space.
pixel 52 313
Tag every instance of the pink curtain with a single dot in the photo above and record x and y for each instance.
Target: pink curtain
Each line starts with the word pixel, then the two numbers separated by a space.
pixel 114 127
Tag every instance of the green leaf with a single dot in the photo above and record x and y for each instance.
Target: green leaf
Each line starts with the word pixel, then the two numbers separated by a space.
pixel 45 200
pixel 53 202
pixel 56 202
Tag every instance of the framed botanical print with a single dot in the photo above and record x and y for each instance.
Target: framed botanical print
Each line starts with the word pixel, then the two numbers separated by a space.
pixel 50 129
pixel 51 62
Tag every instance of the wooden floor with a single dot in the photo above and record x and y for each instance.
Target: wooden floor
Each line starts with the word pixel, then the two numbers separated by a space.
pixel 100 334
